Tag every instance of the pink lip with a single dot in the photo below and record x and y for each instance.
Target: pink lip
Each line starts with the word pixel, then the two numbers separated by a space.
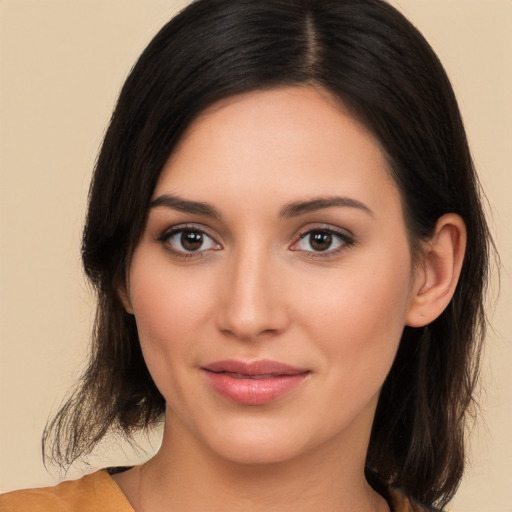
pixel 253 383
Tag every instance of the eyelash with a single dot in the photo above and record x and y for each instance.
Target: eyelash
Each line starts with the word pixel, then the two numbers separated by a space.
pixel 346 241
pixel 169 233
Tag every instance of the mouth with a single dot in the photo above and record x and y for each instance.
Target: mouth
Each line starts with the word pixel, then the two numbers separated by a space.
pixel 255 377
pixel 253 383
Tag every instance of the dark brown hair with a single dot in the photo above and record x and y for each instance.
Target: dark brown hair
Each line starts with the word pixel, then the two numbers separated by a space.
pixel 370 57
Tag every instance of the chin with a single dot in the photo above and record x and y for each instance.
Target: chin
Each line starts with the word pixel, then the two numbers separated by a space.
pixel 259 453
pixel 258 444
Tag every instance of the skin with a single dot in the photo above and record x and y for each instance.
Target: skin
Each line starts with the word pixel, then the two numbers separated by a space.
pixel 256 289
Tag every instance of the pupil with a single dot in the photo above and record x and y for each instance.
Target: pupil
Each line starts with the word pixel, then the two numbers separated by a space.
pixel 191 240
pixel 321 241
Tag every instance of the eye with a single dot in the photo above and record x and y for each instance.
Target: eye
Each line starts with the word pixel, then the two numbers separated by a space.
pixel 187 240
pixel 322 241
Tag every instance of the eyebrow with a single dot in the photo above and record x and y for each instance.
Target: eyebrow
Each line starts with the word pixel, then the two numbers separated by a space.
pixel 319 203
pixel 184 205
pixel 290 210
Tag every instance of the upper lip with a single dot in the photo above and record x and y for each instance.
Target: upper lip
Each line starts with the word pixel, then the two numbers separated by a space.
pixel 252 368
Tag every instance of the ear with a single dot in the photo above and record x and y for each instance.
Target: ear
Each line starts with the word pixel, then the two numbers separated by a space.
pixel 123 291
pixel 437 271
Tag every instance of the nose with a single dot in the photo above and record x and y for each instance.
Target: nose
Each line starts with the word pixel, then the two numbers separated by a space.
pixel 252 300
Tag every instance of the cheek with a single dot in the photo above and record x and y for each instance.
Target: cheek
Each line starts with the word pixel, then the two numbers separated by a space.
pixel 171 308
pixel 359 317
pixel 166 303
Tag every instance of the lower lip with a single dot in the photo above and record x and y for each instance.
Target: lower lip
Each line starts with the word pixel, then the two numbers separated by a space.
pixel 254 391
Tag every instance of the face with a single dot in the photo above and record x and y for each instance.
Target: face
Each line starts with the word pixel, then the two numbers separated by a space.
pixel 273 279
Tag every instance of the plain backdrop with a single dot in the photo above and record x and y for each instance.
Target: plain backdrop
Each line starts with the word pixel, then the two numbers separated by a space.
pixel 61 66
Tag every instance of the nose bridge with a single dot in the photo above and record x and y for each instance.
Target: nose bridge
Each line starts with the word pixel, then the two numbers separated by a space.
pixel 252 299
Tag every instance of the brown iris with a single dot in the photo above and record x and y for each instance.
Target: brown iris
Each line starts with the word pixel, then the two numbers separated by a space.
pixel 191 240
pixel 320 240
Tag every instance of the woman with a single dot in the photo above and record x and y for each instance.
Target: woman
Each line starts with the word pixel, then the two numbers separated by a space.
pixel 276 230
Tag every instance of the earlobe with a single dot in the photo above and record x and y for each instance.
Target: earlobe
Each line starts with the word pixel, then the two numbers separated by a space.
pixel 437 271
pixel 124 295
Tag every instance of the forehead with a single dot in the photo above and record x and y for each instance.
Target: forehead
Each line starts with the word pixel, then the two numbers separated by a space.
pixel 292 141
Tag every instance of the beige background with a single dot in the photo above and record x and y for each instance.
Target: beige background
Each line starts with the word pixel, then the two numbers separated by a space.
pixel 61 66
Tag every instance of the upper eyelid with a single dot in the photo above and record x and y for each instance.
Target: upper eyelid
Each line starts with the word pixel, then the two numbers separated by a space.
pixel 186 226
pixel 326 227
pixel 346 235
pixel 301 233
pixel 164 240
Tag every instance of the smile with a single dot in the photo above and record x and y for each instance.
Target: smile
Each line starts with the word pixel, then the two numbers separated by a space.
pixel 253 383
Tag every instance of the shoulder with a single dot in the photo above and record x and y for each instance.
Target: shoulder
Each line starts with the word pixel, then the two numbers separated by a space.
pixel 90 493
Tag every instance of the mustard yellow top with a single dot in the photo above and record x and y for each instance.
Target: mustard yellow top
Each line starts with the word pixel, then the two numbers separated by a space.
pixel 98 492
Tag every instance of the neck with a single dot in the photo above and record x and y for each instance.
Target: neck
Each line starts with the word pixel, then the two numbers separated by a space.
pixel 184 475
